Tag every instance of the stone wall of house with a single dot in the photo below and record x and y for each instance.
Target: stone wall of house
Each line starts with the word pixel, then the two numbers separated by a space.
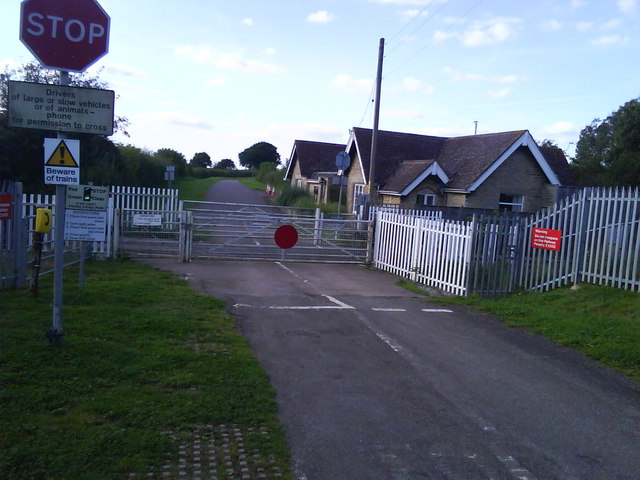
pixel 297 175
pixel 393 200
pixel 520 174
pixel 455 199
pixel 354 176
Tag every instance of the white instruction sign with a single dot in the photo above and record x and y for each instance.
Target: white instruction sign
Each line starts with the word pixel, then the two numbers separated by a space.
pixel 85 225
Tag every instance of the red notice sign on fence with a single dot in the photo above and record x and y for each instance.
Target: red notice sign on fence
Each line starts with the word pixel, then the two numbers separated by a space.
pixel 5 206
pixel 546 239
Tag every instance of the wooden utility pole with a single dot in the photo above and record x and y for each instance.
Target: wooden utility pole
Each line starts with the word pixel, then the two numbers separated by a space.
pixel 376 119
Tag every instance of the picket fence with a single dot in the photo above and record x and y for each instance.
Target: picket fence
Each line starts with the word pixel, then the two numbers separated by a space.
pixel 599 231
pixel 426 250
pixel 16 237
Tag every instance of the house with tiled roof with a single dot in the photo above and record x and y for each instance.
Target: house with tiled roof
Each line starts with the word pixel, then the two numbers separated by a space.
pixel 496 171
pixel 312 166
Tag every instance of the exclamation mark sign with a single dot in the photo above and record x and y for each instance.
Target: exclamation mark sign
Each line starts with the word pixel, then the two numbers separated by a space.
pixel 62 152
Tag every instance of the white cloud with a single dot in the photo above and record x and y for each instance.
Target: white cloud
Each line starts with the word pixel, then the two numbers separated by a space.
pixel 126 70
pixel 505 79
pixel 411 84
pixel 321 16
pixel 270 51
pixel 486 32
pixel 457 76
pixel 490 32
pixel 498 93
pixel 551 26
pixel 584 26
pixel 440 36
pixel 611 24
pixel 609 40
pixel 248 22
pixel 578 3
pixel 347 83
pixel 225 61
pixel 627 6
pixel 413 13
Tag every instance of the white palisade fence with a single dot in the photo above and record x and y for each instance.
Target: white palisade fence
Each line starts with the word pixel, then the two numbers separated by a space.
pixel 430 251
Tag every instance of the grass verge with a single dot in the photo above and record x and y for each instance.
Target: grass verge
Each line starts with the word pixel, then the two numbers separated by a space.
pixel 602 322
pixel 145 362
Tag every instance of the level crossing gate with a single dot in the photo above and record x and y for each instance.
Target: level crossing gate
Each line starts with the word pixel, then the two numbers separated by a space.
pixel 213 230
pixel 241 231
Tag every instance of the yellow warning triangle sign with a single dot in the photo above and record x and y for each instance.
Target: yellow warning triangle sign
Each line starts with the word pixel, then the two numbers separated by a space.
pixel 62 157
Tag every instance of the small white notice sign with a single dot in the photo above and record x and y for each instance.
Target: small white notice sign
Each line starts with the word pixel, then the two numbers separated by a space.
pixel 85 225
pixel 147 220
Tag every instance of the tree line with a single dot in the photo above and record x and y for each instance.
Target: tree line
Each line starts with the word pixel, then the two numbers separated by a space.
pixel 103 161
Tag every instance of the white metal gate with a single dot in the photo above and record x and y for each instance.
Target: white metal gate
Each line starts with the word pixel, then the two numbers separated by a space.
pixel 239 231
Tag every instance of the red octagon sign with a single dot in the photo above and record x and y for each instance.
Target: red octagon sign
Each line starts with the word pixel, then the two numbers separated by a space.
pixel 65 34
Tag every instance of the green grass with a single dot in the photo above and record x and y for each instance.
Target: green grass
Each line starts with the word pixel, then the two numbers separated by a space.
pixel 143 355
pixel 195 189
pixel 602 322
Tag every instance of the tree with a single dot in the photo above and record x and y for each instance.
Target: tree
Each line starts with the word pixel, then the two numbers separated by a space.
pixel 225 164
pixel 258 153
pixel 201 159
pixel 168 156
pixel 608 151
pixel 548 143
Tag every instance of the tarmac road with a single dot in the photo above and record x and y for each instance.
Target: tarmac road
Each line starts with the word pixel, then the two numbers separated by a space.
pixel 373 382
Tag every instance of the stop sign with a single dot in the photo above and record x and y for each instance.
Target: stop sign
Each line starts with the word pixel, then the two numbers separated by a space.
pixel 65 34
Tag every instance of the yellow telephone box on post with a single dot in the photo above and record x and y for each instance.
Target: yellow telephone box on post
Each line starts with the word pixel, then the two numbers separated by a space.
pixel 43 220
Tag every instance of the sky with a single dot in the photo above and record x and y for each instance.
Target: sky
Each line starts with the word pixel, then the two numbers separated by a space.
pixel 218 76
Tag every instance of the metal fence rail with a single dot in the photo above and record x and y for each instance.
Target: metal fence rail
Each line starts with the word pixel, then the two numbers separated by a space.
pixel 495 255
pixel 164 236
pixel 600 241
pixel 234 231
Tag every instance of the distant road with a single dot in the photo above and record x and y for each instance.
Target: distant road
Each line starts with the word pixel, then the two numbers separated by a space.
pixel 232 191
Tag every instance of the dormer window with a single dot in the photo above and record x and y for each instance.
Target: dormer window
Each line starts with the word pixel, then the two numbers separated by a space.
pixel 425 199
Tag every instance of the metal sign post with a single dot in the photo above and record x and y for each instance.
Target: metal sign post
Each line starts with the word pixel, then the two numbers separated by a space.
pixel 55 334
pixel 343 162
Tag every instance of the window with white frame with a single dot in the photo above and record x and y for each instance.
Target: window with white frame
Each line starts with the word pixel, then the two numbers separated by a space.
pixel 511 203
pixel 423 199
pixel 358 189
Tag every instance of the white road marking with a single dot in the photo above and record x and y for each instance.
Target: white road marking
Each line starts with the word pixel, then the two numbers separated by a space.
pixel 338 306
pixel 288 269
pixel 388 309
pixel 394 346
pixel 437 310
pixel 338 302
pixel 516 469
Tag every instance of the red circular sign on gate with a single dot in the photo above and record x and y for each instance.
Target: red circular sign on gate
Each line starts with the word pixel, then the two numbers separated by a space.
pixel 286 236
